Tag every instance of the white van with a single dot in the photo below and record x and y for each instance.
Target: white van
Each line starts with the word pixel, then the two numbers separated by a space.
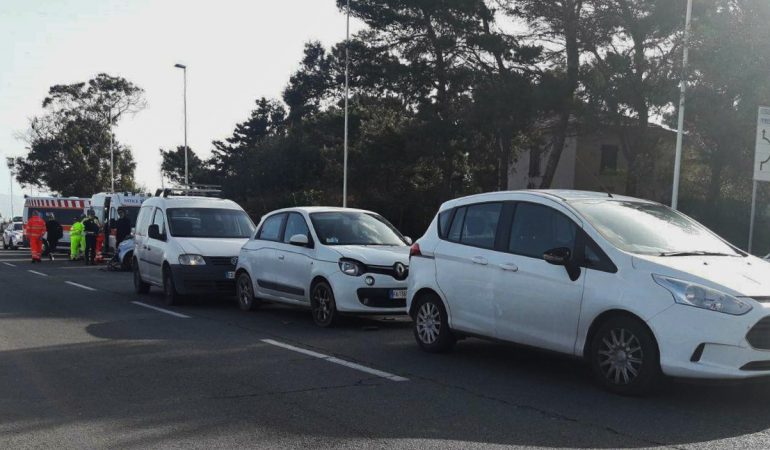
pixel 107 204
pixel 188 244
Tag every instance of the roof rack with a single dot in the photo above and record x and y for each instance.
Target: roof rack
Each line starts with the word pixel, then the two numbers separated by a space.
pixel 194 190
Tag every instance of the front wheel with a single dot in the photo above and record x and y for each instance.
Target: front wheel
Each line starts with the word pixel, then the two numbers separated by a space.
pixel 245 292
pixel 170 296
pixel 140 287
pixel 323 305
pixel 625 357
pixel 431 326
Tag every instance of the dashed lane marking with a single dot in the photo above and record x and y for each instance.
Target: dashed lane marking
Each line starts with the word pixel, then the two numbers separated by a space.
pixel 38 273
pixel 332 359
pixel 165 311
pixel 9 264
pixel 81 286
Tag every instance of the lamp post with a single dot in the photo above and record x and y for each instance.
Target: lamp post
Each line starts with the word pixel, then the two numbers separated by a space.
pixel 682 92
pixel 9 163
pixel 186 176
pixel 347 96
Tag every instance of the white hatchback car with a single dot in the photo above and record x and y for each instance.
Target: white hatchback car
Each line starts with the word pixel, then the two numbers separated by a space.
pixel 13 235
pixel 634 287
pixel 188 245
pixel 331 260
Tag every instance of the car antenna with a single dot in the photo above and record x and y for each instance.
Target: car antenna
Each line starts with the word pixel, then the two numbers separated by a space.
pixel 595 177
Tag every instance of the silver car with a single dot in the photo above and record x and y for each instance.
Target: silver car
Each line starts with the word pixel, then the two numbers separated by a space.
pixel 13 235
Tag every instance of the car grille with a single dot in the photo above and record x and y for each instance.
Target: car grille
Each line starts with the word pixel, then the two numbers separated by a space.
pixel 388 270
pixel 221 260
pixel 379 298
pixel 759 335
pixel 221 286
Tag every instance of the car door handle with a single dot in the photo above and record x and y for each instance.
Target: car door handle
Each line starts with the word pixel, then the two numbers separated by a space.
pixel 479 260
pixel 509 267
pixel 281 257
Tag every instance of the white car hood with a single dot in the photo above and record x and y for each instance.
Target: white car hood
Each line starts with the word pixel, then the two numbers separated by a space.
pixel 748 276
pixel 211 246
pixel 374 255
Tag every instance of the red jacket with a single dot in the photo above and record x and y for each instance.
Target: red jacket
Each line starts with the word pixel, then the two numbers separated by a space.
pixel 35 227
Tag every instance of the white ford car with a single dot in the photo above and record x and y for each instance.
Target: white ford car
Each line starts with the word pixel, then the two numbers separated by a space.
pixel 634 287
pixel 331 260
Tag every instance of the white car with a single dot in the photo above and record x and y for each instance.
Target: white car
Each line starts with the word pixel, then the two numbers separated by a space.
pixel 13 235
pixel 188 245
pixel 331 260
pixel 634 287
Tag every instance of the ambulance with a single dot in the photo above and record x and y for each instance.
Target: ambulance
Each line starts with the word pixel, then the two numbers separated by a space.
pixel 66 210
pixel 107 204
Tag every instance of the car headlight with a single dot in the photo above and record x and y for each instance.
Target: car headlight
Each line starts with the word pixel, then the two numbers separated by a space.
pixel 351 267
pixel 692 294
pixel 192 260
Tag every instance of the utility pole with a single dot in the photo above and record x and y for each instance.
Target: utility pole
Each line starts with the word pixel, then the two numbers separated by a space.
pixel 9 163
pixel 682 96
pixel 112 152
pixel 186 168
pixel 347 96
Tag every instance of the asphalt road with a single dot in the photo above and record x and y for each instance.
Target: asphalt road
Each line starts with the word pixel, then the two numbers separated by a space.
pixel 84 363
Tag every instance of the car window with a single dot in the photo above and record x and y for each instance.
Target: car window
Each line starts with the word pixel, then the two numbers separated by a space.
pixel 480 225
pixel 271 229
pixel 160 221
pixel 295 224
pixel 538 228
pixel 457 225
pixel 145 215
pixel 443 223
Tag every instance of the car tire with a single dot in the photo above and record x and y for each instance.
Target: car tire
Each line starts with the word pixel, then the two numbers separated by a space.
pixel 170 296
pixel 244 290
pixel 625 358
pixel 431 325
pixel 323 305
pixel 5 245
pixel 140 287
pixel 127 263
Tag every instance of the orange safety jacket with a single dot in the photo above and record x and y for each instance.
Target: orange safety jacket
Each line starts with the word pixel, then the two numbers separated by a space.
pixel 35 228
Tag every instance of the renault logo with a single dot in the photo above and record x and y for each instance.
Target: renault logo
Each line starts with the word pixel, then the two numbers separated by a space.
pixel 400 271
pixel 234 260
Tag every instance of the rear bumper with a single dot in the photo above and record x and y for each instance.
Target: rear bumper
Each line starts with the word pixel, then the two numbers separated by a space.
pixel 200 280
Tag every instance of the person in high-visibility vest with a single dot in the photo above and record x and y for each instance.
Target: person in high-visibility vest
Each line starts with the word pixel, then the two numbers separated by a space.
pixel 35 231
pixel 77 242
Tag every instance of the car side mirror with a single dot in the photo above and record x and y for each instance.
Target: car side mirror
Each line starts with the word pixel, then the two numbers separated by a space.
pixel 562 256
pixel 300 240
pixel 408 240
pixel 154 233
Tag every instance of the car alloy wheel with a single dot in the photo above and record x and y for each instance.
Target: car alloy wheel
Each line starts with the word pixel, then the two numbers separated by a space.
pixel 620 356
pixel 431 325
pixel 324 307
pixel 428 323
pixel 245 292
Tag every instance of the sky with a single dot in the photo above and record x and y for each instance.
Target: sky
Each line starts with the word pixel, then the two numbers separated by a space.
pixel 236 51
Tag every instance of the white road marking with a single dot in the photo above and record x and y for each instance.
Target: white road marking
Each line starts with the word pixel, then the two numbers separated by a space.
pixel 81 267
pixel 14 259
pixel 81 286
pixel 9 264
pixel 171 313
pixel 332 359
pixel 38 273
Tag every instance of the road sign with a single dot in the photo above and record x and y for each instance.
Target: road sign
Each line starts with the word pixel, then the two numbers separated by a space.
pixel 762 154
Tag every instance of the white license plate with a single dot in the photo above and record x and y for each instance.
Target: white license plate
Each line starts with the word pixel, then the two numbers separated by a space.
pixel 230 275
pixel 398 294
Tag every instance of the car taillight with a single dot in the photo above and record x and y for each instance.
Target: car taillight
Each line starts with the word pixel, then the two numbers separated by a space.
pixel 415 250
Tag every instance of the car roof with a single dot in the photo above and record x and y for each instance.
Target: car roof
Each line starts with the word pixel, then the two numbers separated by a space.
pixel 558 195
pixel 192 202
pixel 317 209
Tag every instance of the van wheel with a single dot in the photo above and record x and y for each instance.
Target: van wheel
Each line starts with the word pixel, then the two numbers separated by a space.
pixel 431 326
pixel 625 357
pixel 245 292
pixel 140 287
pixel 170 296
pixel 323 305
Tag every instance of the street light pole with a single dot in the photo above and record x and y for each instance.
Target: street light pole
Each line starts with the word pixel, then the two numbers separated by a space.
pixel 682 95
pixel 112 153
pixel 9 163
pixel 186 174
pixel 347 96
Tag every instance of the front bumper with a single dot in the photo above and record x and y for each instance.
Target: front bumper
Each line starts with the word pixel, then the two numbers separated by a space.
pixel 696 343
pixel 353 295
pixel 199 280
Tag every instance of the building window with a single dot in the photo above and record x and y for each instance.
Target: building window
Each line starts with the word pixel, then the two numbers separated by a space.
pixel 609 161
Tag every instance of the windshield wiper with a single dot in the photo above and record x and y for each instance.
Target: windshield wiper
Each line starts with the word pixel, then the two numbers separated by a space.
pixel 694 253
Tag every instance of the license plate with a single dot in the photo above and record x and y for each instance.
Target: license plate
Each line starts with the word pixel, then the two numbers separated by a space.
pixel 398 294
pixel 230 275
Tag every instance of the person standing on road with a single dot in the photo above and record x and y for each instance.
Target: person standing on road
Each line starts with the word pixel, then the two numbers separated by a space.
pixel 54 232
pixel 76 239
pixel 35 230
pixel 122 227
pixel 91 228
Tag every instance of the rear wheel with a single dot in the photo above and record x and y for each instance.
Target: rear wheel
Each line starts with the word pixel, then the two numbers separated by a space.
pixel 625 357
pixel 127 261
pixel 431 326
pixel 5 245
pixel 245 292
pixel 170 296
pixel 140 287
pixel 323 305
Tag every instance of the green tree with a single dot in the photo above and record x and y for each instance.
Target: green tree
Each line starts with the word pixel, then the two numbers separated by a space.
pixel 172 167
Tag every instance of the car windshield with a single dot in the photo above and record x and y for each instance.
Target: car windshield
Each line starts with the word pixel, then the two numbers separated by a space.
pixel 355 228
pixel 651 229
pixel 209 223
pixel 18 227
